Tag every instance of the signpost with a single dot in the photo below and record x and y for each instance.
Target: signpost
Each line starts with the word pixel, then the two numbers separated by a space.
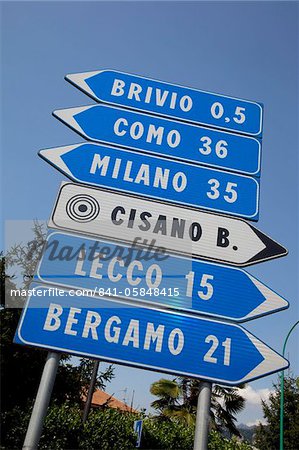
pixel 159 178
pixel 170 100
pixel 140 301
pixel 104 268
pixel 164 137
pixel 180 230
pixel 161 340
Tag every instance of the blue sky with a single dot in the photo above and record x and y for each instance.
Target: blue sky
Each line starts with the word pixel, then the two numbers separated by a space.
pixel 243 49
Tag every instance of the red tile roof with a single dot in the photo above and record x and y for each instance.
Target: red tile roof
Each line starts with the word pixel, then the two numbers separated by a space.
pixel 101 398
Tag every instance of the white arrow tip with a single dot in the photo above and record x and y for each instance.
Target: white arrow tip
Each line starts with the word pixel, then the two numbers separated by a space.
pixel 273 302
pixel 79 80
pixel 272 362
pixel 67 116
pixel 53 156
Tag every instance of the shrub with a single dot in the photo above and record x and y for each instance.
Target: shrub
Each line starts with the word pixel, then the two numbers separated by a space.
pixel 105 429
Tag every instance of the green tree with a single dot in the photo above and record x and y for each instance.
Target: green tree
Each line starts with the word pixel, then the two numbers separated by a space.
pixel 21 366
pixel 107 429
pixel 267 436
pixel 177 400
pixel 25 257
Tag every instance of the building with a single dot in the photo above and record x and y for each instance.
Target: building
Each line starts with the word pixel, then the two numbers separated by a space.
pixel 102 399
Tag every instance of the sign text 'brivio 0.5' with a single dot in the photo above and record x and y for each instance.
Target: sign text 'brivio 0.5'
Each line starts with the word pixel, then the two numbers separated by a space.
pixel 181 230
pixel 166 341
pixel 170 100
pixel 159 178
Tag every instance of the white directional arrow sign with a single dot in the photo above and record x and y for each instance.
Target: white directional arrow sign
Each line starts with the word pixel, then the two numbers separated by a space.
pixel 180 230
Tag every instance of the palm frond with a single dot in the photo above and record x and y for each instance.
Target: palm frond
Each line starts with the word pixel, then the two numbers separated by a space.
pixel 165 388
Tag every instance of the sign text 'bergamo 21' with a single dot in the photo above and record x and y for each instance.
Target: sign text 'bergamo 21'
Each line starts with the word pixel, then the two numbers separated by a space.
pixel 143 337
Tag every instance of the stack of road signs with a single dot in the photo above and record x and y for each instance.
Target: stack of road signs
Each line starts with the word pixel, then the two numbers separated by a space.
pixel 137 264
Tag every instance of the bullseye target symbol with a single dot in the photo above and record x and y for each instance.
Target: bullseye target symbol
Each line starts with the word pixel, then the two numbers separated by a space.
pixel 82 208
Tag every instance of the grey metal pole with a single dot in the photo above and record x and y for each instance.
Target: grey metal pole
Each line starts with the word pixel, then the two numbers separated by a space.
pixel 203 416
pixel 41 403
pixel 90 390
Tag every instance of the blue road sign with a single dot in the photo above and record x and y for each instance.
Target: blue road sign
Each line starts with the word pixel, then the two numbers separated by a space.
pixel 138 431
pixel 170 100
pixel 154 277
pixel 166 341
pixel 169 138
pixel 158 178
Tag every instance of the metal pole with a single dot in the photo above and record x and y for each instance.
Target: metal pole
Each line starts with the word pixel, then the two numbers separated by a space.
pixel 93 380
pixel 282 390
pixel 132 400
pixel 203 416
pixel 41 403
